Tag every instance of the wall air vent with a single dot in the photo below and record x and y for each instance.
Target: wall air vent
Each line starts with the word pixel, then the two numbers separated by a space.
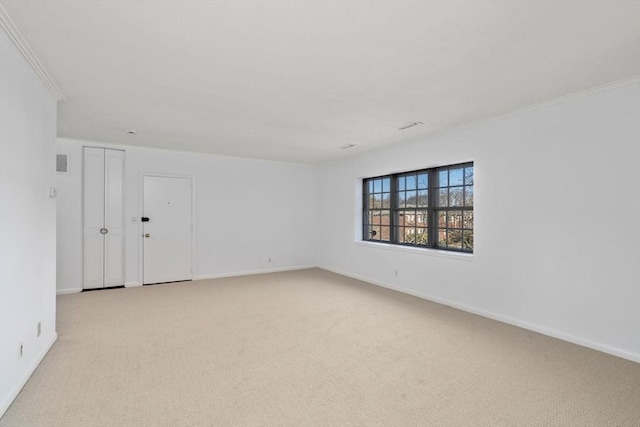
pixel 62 163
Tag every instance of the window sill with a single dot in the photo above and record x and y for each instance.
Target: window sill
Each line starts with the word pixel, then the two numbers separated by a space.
pixel 461 256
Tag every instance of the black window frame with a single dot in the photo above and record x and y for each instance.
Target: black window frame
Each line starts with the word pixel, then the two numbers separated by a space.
pixel 455 217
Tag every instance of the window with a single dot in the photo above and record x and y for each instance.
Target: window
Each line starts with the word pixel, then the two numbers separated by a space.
pixel 431 208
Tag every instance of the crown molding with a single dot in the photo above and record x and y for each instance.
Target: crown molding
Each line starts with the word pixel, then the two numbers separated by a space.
pixel 9 27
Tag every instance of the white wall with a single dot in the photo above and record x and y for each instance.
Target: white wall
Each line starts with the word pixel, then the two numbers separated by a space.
pixel 247 211
pixel 27 220
pixel 557 235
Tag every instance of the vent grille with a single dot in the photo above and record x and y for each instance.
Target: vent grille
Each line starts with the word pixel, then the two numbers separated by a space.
pixel 62 163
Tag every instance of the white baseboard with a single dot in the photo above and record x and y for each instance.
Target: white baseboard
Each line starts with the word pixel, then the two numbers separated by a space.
pixel 499 317
pixel 76 290
pixel 251 272
pixel 16 389
pixel 68 291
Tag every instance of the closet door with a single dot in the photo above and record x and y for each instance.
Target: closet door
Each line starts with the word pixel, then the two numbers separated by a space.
pixel 93 218
pixel 114 218
pixel 103 218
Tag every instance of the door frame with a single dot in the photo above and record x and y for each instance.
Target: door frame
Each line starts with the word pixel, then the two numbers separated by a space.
pixel 139 230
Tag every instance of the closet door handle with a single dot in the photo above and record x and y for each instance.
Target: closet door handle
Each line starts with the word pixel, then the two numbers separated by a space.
pixel 103 231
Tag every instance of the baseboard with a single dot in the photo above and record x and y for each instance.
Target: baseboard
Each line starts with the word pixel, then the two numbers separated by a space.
pixel 68 291
pixel 16 390
pixel 132 284
pixel 251 272
pixel 499 317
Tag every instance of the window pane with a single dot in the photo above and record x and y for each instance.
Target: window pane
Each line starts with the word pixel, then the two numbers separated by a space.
pixel 385 217
pixel 454 219
pixel 410 218
pixel 411 199
pixel 423 198
pixel 401 185
pixel 443 178
pixel 386 200
pixel 411 182
pixel 422 237
pixel 373 232
pixel 384 233
pixel 443 197
pixel 468 175
pixel 456 197
pixel 468 196
pixel 409 235
pixel 442 219
pixel 377 186
pixel 370 186
pixel 454 239
pixel 421 218
pixel 442 238
pixel 467 240
pixel 377 201
pixel 371 202
pixel 401 199
pixel 423 181
pixel 456 176
pixel 467 221
pixel 386 184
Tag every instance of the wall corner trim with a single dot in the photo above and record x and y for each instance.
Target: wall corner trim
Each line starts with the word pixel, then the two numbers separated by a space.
pixel 18 387
pixel 496 316
pixel 9 27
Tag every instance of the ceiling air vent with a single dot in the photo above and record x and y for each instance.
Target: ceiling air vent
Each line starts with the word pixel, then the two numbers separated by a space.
pixel 409 125
pixel 62 163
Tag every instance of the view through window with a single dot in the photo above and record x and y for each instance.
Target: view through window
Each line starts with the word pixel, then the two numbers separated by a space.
pixel 431 208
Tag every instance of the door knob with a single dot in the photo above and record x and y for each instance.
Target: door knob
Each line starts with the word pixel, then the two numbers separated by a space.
pixel 103 231
pixel 147 235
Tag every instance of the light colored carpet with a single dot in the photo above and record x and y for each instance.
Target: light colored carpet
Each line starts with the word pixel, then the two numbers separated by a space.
pixel 310 348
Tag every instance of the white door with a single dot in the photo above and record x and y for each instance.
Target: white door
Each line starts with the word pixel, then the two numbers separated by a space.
pixel 114 218
pixel 103 218
pixel 93 218
pixel 166 229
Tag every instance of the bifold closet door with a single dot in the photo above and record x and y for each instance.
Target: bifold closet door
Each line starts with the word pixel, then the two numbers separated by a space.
pixel 103 217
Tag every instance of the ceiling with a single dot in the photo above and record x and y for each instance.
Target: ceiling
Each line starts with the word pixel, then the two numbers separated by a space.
pixel 298 80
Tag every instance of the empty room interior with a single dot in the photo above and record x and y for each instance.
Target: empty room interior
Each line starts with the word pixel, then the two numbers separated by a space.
pixel 263 213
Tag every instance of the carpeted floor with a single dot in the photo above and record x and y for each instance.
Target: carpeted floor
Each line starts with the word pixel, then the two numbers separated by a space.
pixel 310 348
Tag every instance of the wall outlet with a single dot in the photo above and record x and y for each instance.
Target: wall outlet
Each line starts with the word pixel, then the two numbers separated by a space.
pixel 269 259
pixel 39 329
pixel 20 349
